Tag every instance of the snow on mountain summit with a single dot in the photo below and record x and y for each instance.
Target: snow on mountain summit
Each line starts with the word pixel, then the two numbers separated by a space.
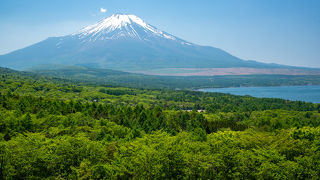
pixel 123 42
pixel 122 26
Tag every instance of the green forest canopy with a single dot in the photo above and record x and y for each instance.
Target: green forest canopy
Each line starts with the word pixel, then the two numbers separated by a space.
pixel 60 129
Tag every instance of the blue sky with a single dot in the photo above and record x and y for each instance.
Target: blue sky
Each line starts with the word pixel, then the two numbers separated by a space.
pixel 273 31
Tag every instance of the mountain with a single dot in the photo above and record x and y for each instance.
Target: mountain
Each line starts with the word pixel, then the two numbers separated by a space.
pixel 124 42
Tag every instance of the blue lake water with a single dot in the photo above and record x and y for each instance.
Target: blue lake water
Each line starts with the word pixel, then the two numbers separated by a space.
pixel 300 93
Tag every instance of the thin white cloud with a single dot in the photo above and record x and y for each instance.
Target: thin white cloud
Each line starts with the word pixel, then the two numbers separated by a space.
pixel 103 10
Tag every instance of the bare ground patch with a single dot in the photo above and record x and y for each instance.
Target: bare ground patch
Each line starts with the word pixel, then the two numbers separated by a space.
pixel 227 71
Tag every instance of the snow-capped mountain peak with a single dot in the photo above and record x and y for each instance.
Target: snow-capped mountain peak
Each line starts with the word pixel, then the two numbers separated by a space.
pixel 121 26
pixel 123 42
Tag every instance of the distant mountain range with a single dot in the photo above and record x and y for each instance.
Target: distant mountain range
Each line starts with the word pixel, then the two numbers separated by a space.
pixel 127 43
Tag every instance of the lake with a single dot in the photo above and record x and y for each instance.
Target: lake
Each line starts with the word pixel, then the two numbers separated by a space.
pixel 301 93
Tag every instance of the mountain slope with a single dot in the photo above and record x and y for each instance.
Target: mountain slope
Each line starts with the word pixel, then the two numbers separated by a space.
pixel 124 42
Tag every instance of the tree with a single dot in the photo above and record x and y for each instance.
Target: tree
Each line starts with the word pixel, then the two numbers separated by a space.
pixel 26 122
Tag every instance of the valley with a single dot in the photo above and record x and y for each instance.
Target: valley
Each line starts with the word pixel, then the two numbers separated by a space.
pixel 120 78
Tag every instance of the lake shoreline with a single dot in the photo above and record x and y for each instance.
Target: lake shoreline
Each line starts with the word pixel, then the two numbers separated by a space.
pixel 307 93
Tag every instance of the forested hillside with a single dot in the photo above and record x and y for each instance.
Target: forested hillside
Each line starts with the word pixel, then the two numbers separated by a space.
pixel 61 129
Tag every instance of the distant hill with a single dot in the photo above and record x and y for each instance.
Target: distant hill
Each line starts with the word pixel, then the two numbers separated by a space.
pixel 119 78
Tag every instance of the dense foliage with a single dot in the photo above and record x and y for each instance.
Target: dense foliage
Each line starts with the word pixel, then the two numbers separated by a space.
pixel 58 129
